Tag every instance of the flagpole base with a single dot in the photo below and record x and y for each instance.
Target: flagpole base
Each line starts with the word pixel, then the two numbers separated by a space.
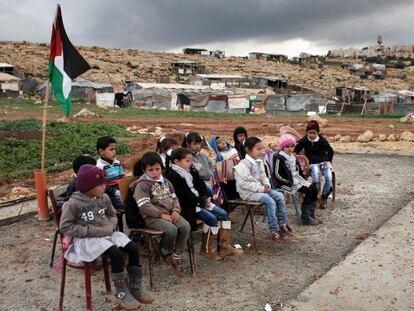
pixel 41 196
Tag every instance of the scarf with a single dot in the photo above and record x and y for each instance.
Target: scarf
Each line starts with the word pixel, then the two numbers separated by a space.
pixel 187 176
pixel 159 180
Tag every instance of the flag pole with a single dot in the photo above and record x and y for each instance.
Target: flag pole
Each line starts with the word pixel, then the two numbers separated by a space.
pixel 40 177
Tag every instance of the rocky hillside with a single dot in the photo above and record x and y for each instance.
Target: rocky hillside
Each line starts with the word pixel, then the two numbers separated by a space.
pixel 118 65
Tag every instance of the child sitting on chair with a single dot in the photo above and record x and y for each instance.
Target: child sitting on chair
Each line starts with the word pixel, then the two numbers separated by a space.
pixel 239 136
pixel 90 219
pixel 224 151
pixel 165 146
pixel 288 176
pixel 320 155
pixel 196 203
pixel 160 208
pixel 253 185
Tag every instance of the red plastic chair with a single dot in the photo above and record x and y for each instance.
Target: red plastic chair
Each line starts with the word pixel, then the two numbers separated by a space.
pixel 87 266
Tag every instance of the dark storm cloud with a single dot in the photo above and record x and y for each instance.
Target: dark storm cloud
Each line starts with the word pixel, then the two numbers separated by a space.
pixel 168 24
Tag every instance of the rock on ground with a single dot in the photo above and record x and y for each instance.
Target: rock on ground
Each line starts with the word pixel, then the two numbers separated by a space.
pixel 366 137
pixel 407 136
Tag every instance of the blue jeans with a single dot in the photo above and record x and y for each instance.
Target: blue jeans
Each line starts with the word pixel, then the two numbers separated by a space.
pixel 274 202
pixel 211 218
pixel 326 172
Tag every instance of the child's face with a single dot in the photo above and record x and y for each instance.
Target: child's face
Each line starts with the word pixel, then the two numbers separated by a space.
pixel 312 134
pixel 195 146
pixel 153 171
pixel 185 163
pixel 96 191
pixel 241 137
pixel 289 149
pixel 109 153
pixel 257 151
pixel 221 144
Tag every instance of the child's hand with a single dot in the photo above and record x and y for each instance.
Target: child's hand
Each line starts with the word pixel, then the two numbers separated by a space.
pixel 266 188
pixel 166 217
pixel 175 216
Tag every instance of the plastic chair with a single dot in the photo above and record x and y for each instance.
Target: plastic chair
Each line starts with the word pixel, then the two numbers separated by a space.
pixel 87 266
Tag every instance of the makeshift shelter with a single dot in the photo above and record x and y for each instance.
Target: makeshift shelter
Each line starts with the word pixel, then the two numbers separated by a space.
pixel 284 104
pixel 7 68
pixel 268 57
pixel 270 81
pixel 9 85
pixel 193 51
pixel 221 80
pixel 187 67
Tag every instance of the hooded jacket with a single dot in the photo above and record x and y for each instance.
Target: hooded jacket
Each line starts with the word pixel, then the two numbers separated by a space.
pixel 86 217
pixel 154 197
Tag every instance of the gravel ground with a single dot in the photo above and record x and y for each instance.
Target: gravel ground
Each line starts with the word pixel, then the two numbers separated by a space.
pixel 371 188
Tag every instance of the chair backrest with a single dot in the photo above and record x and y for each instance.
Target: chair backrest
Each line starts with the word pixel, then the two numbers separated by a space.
pixel 133 218
pixel 124 186
pixel 57 208
pixel 304 164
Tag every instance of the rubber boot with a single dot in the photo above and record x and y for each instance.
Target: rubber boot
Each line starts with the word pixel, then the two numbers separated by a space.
pixel 125 300
pixel 170 261
pixel 135 285
pixel 312 212
pixel 307 220
pixel 225 247
pixel 207 249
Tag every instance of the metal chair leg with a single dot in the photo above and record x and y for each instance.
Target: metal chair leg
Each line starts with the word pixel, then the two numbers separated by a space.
pixel 245 219
pixel 253 227
pixel 333 186
pixel 88 286
pixel 150 263
pixel 295 205
pixel 52 256
pixel 190 246
pixel 106 274
pixel 62 286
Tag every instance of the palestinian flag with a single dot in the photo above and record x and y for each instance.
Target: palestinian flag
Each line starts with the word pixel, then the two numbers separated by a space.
pixel 65 63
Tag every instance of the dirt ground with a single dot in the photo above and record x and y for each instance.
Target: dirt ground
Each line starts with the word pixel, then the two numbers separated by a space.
pixel 370 189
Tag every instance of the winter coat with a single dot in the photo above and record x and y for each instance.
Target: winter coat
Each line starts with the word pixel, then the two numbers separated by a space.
pixel 154 198
pixel 188 200
pixel 203 165
pixel 281 174
pixel 250 178
pixel 316 152
pixel 86 217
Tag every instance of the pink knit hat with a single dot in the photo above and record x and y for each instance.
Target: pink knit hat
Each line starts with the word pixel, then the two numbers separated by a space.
pixel 286 140
pixel 88 177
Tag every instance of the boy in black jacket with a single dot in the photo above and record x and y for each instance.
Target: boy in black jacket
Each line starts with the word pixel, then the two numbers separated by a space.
pixel 320 155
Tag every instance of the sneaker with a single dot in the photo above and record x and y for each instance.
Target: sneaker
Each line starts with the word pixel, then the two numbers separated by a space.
pixel 177 257
pixel 275 234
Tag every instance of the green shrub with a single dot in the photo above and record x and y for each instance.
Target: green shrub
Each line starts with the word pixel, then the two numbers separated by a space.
pixel 64 142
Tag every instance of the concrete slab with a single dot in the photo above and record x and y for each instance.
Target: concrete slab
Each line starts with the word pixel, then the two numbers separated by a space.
pixel 378 275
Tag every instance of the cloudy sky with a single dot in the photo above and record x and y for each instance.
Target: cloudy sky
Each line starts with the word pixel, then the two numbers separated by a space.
pixel 236 26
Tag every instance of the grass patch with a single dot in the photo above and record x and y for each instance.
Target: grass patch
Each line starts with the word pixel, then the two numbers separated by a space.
pixel 65 141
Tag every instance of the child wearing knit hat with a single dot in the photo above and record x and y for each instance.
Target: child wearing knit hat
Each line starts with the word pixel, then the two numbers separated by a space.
pixel 288 176
pixel 320 154
pixel 90 219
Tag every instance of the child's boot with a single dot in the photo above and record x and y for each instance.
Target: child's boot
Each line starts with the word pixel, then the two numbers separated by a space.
pixel 135 285
pixel 207 249
pixel 312 212
pixel 125 299
pixel 170 261
pixel 307 220
pixel 225 246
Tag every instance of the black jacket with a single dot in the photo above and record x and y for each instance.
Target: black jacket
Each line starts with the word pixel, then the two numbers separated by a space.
pixel 317 152
pixel 188 200
pixel 281 175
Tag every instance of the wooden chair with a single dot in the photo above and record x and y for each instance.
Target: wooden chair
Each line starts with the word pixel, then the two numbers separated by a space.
pixel 86 266
pixel 150 234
